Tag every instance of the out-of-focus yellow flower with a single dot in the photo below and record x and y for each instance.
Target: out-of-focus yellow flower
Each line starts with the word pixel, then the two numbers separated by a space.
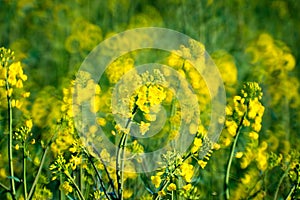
pixel 66 187
pixel 3 173
pixel 171 187
pixel 127 193
pixel 162 193
pixel 144 127
pixel 239 154
pixel 253 135
pixel 246 180
pixel 187 171
pixel 156 180
pixel 231 127
pixel 101 121
pixel 202 163
pixel 187 187
pixel 29 124
pixel 75 161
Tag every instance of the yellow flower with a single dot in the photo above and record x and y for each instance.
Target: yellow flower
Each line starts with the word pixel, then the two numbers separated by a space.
pixel 187 187
pixel 162 193
pixel 246 180
pixel 228 111
pixel 17 147
pixel 239 154
pixel 156 180
pixel 16 103
pixel 231 127
pixel 202 163
pixel 66 187
pixel 32 141
pixel 101 121
pixel 26 94
pixel 29 124
pixel 198 142
pixel 246 122
pixel 3 173
pixel 253 135
pixel 256 127
pixel 127 193
pixel 187 171
pixel 19 84
pixel 144 127
pixel 75 161
pixel 171 187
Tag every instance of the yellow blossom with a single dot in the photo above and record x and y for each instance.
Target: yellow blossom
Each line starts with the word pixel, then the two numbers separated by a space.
pixel 66 187
pixel 198 142
pixel 144 127
pixel 239 154
pixel 231 127
pixel 171 187
pixel 202 163
pixel 253 135
pixel 246 180
pixel 127 193
pixel 162 193
pixel 29 124
pixel 187 187
pixel 156 180
pixel 187 171
pixel 101 121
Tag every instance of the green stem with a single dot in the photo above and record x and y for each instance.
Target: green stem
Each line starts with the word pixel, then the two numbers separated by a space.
pixel 98 174
pixel 24 171
pixel 38 173
pixel 4 187
pixel 120 162
pixel 76 186
pixel 164 185
pixel 10 138
pixel 110 180
pixel 121 156
pixel 280 182
pixel 81 185
pixel 238 130
pixel 61 194
pixel 291 192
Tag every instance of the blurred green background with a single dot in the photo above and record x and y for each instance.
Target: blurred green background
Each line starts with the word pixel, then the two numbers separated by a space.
pixel 53 37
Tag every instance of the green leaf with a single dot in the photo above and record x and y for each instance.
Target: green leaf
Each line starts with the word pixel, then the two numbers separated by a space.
pixel 15 178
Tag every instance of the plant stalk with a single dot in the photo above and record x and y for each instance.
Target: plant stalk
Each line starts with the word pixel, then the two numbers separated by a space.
pixel 38 173
pixel 24 172
pixel 121 156
pixel 238 130
pixel 76 186
pixel 10 138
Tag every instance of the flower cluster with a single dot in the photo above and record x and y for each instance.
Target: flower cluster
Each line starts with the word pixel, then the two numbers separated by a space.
pixel 11 80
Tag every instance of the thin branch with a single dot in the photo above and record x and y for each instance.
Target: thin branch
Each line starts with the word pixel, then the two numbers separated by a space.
pixel 110 180
pixel 280 182
pixel 10 154
pixel 98 174
pixel 38 173
pixel 121 156
pixel 238 130
pixel 24 172
pixel 4 187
